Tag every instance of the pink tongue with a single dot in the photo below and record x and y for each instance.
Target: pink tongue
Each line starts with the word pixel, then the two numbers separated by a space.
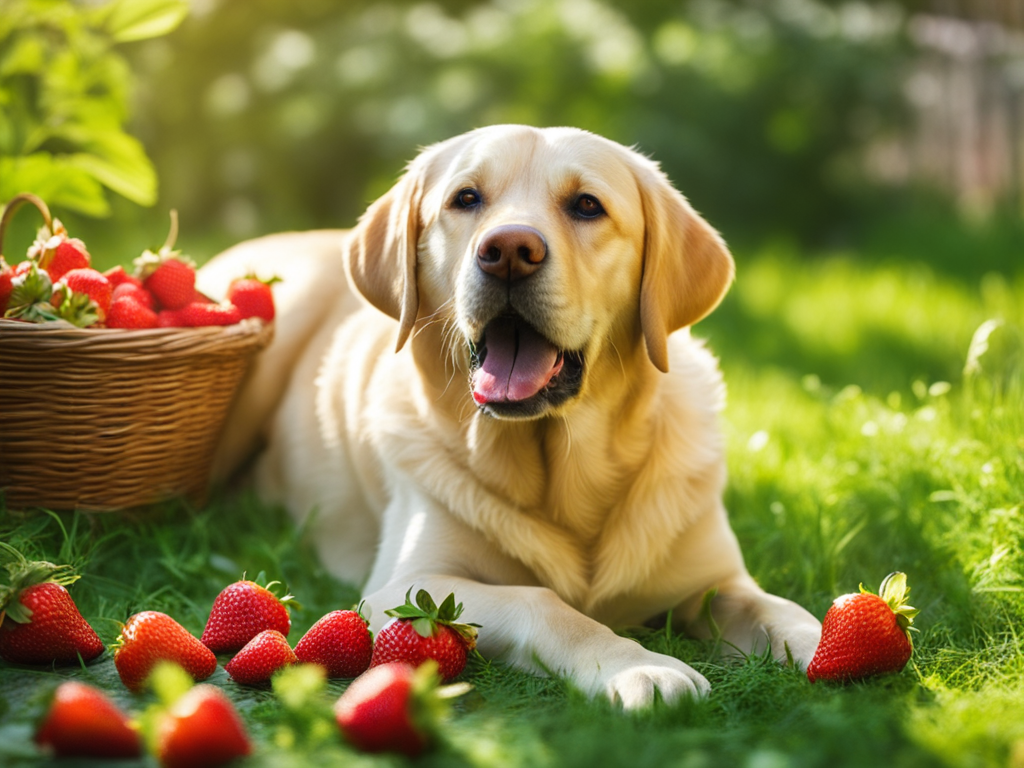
pixel 519 363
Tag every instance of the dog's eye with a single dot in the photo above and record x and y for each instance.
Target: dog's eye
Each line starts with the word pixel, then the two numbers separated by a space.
pixel 467 198
pixel 587 207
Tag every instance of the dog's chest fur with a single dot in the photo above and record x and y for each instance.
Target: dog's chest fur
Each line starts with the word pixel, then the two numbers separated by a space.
pixel 592 508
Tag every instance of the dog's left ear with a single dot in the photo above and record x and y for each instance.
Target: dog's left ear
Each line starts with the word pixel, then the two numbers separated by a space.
pixel 380 253
pixel 687 267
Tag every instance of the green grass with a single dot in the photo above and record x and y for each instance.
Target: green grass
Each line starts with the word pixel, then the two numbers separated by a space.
pixel 857 446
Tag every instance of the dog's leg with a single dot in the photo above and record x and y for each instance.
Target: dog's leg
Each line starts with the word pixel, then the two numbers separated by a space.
pixel 534 629
pixel 424 547
pixel 748 620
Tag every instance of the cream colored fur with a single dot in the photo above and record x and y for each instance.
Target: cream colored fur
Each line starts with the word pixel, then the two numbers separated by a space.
pixel 603 512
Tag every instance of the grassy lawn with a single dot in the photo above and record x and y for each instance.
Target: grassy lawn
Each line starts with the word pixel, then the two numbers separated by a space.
pixel 858 445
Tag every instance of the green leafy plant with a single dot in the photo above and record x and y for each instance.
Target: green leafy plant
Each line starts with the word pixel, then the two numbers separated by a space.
pixel 64 98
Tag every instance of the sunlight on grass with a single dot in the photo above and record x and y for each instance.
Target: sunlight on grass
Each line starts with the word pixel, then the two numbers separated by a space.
pixel 857 446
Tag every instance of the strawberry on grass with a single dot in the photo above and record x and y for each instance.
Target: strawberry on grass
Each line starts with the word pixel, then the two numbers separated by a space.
pixel 202 730
pixel 82 721
pixel 191 726
pixel 240 612
pixel 260 658
pixel 423 631
pixel 39 622
pixel 864 634
pixel 395 707
pixel 150 637
pixel 340 642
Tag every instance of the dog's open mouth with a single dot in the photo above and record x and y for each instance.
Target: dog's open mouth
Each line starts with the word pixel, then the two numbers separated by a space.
pixel 517 372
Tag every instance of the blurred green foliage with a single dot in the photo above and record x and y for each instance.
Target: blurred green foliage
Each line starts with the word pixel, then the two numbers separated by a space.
pixel 272 115
pixel 267 115
pixel 64 96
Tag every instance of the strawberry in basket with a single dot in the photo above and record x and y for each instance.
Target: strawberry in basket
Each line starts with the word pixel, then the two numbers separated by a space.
pixel 166 274
pixel 56 252
pixel 6 277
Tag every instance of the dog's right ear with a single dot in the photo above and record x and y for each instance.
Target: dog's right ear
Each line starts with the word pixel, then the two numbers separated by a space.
pixel 380 253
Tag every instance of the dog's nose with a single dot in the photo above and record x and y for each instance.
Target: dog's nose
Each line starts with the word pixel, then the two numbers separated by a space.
pixel 512 252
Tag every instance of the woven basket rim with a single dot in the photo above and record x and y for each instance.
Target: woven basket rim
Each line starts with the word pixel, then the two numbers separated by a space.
pixel 135 344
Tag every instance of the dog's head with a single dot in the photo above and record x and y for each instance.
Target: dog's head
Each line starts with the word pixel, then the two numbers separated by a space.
pixel 547 249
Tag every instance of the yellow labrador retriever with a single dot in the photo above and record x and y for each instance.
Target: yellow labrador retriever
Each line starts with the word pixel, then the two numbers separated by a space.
pixel 520 414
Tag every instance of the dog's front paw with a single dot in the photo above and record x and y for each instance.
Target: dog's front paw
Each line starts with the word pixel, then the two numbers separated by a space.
pixel 797 640
pixel 635 686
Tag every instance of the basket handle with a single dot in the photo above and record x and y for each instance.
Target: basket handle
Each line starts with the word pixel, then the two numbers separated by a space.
pixel 14 204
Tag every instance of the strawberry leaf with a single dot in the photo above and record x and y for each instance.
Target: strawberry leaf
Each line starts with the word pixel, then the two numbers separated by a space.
pixel 77 308
pixel 424 626
pixel 426 602
pixel 448 610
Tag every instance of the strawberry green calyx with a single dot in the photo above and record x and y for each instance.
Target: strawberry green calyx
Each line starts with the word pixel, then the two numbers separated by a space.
pixel 149 262
pixel 30 296
pixel 288 600
pixel 426 616
pixel 894 591
pixel 77 308
pixel 24 573
pixel 265 280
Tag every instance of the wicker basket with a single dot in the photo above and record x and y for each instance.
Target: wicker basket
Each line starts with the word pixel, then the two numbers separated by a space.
pixel 102 419
pixel 107 419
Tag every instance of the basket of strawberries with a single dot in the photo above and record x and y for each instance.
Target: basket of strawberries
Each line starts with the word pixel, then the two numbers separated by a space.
pixel 114 386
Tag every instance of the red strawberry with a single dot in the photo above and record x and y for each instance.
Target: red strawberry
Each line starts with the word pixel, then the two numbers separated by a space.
pixel 241 611
pixel 261 658
pixel 136 292
pixel 169 318
pixel 69 254
pixel 424 631
pixel 42 624
pixel 202 730
pixel 84 722
pixel 173 283
pixel 168 275
pixel 253 297
pixel 395 708
pixel 378 712
pixel 340 642
pixel 200 314
pixel 149 637
pixel 117 276
pixel 94 285
pixel 126 312
pixel 865 634
pixel 6 276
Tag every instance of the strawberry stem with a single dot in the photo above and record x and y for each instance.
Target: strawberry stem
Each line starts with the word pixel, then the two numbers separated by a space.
pixel 172 234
